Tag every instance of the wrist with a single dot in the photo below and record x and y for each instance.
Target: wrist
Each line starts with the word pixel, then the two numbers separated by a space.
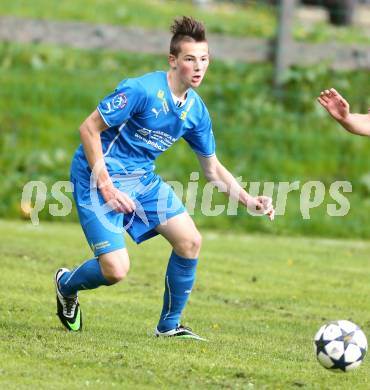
pixel 346 120
pixel 245 198
pixel 105 185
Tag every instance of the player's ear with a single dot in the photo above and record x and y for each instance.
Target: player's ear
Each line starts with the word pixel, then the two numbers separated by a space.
pixel 172 61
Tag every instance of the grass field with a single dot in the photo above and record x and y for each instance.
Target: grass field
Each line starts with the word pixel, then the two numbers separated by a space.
pixel 258 299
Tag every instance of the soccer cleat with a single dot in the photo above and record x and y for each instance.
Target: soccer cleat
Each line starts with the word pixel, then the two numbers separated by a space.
pixel 181 332
pixel 68 308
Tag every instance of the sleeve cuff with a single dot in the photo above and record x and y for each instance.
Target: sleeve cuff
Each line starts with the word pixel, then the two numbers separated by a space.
pixel 206 155
pixel 102 116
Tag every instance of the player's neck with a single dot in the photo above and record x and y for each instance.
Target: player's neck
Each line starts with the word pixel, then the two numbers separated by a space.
pixel 176 87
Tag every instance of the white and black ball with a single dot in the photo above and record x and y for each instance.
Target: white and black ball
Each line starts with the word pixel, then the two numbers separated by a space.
pixel 340 345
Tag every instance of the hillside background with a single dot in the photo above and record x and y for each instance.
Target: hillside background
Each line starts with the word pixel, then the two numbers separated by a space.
pixel 47 91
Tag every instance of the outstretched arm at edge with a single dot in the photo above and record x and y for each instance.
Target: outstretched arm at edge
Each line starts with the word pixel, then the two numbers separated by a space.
pixel 339 109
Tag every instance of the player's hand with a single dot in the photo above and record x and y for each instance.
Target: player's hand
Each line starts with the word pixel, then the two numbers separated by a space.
pixel 335 104
pixel 261 205
pixel 117 200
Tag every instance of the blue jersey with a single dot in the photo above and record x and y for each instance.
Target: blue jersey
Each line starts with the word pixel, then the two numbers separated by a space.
pixel 144 122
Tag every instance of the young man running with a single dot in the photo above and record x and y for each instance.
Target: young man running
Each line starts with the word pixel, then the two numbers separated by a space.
pixel 339 109
pixel 116 189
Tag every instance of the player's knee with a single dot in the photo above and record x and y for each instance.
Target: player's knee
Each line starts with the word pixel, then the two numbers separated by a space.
pixel 118 273
pixel 197 241
pixel 115 267
pixel 190 247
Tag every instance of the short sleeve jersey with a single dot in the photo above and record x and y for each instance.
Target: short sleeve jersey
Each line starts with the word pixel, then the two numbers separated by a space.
pixel 144 122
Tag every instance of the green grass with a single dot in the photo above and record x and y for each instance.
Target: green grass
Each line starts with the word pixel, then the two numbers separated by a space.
pixel 258 299
pixel 254 19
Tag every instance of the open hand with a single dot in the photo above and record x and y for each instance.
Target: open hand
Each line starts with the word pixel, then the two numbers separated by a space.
pixel 335 104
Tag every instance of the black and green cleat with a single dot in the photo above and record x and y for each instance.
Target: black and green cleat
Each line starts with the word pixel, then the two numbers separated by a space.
pixel 68 308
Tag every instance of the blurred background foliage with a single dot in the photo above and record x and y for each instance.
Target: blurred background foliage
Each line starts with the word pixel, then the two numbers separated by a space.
pixel 239 18
pixel 46 92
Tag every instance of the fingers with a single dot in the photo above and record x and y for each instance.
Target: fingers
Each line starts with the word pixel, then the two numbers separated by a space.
pixel 119 201
pixel 269 208
pixel 322 102
pixel 263 205
pixel 336 94
pixel 339 97
pixel 326 95
pixel 331 94
pixel 125 203
pixel 266 202
pixel 332 101
pixel 258 206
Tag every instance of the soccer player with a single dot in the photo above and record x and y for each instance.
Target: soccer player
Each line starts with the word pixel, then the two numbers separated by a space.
pixel 116 188
pixel 339 109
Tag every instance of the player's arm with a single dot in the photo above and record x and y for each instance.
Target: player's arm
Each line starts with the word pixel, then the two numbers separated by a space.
pixel 90 131
pixel 221 178
pixel 339 109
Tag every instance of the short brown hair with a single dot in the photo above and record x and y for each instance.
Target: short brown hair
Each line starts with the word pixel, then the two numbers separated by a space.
pixel 186 29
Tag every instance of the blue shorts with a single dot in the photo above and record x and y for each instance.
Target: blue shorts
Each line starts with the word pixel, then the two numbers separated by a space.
pixel 155 202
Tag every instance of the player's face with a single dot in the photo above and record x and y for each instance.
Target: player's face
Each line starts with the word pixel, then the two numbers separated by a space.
pixel 191 63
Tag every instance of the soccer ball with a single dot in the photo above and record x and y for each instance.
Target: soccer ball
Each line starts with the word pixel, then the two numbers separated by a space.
pixel 340 345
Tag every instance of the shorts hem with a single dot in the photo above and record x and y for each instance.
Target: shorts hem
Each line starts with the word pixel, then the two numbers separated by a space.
pixel 109 249
pixel 152 232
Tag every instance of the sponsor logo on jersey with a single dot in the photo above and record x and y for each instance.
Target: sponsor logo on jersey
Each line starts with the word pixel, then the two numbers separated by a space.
pixel 160 95
pixel 156 113
pixel 187 109
pixel 160 140
pixel 144 132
